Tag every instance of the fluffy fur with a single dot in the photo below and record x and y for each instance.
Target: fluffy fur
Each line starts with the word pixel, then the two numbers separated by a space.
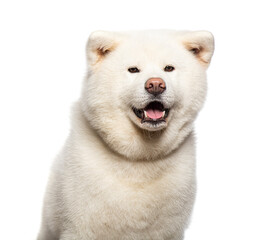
pixel 119 178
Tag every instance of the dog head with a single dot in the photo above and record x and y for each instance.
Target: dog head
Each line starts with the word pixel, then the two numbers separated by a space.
pixel 144 89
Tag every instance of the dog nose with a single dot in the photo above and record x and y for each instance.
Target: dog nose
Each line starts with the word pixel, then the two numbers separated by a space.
pixel 155 86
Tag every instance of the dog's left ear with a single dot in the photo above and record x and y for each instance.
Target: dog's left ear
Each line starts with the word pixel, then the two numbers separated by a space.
pixel 99 45
pixel 201 44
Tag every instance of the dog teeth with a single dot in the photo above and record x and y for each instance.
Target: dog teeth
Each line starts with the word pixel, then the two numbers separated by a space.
pixel 145 114
pixel 163 114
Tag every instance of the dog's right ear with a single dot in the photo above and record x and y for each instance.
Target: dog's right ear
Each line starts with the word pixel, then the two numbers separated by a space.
pixel 201 44
pixel 99 45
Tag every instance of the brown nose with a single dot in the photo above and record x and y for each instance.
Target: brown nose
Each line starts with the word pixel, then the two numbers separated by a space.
pixel 155 86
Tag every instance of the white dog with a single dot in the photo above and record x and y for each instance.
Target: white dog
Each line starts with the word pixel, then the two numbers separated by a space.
pixel 127 170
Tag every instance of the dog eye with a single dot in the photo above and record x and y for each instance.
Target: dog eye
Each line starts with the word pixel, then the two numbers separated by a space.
pixel 169 68
pixel 133 70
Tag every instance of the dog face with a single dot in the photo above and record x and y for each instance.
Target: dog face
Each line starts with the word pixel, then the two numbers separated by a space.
pixel 144 89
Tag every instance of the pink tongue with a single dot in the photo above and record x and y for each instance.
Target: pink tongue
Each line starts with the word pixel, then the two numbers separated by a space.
pixel 154 113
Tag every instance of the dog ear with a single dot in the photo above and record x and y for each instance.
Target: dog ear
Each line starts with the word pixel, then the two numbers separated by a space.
pixel 201 44
pixel 99 45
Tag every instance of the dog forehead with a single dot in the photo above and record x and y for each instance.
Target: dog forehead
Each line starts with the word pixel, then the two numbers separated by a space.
pixel 150 39
pixel 155 44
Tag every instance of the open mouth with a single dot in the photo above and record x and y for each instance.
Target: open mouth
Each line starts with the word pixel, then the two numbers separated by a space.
pixel 153 113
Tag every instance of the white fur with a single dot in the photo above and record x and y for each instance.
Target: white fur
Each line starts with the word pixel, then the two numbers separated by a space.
pixel 117 178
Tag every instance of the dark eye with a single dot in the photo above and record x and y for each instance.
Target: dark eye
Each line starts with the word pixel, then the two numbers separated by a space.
pixel 168 68
pixel 133 70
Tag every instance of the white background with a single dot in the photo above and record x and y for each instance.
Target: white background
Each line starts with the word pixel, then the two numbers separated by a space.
pixel 42 63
